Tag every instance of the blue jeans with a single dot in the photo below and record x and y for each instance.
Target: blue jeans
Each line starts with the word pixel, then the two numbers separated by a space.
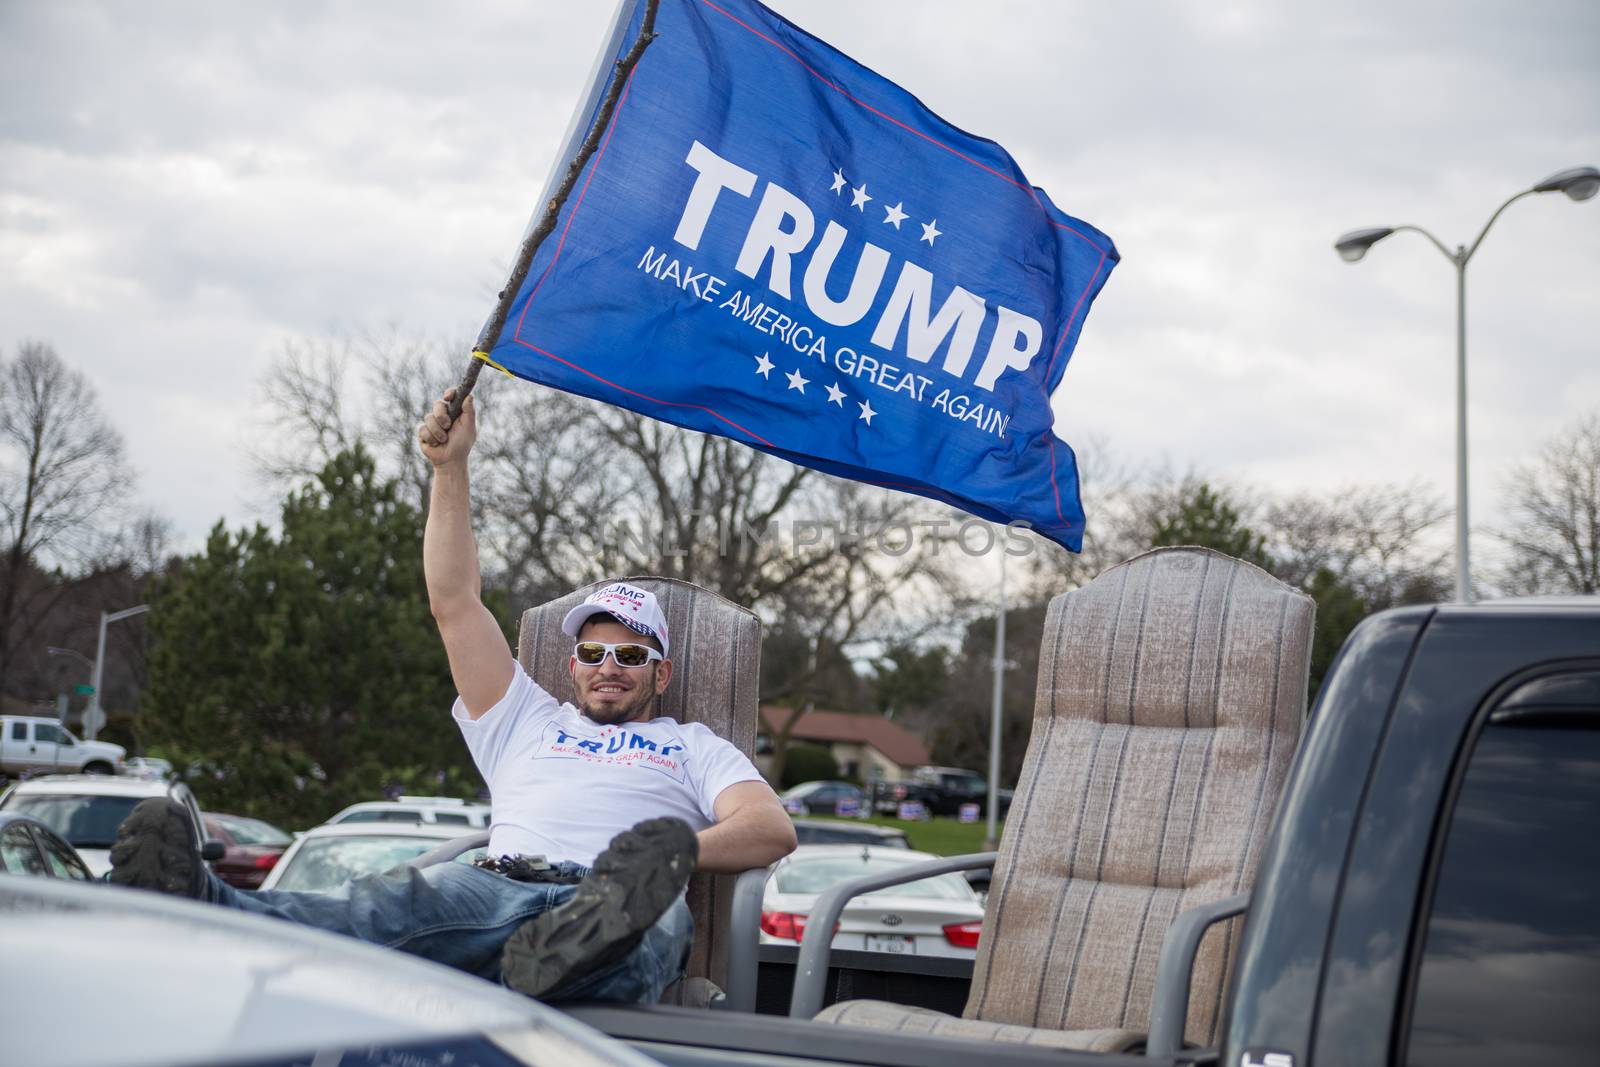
pixel 460 915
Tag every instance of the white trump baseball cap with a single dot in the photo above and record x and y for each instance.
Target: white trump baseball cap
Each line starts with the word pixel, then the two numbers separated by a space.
pixel 635 608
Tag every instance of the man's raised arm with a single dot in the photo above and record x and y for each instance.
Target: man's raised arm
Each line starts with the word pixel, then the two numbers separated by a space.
pixel 480 660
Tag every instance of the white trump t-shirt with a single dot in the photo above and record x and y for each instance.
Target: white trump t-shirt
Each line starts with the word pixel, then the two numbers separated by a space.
pixel 563 785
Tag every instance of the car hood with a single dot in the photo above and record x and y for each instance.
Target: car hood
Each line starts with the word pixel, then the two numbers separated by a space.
pixel 180 982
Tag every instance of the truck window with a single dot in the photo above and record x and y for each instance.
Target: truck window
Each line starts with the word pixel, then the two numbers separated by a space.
pixel 48 734
pixel 1511 953
pixel 19 730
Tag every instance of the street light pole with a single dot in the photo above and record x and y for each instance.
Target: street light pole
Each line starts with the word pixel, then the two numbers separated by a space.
pixel 94 716
pixel 1463 542
pixel 63 701
pixel 992 819
pixel 1578 183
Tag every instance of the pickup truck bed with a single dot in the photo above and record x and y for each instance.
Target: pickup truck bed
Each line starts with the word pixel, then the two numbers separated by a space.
pixel 684 1036
pixel 1426 897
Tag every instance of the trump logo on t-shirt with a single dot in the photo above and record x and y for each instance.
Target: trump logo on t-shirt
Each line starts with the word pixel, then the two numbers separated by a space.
pixel 616 746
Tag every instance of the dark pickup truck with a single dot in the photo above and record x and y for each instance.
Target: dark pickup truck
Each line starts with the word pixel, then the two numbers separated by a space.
pixel 941 790
pixel 1426 896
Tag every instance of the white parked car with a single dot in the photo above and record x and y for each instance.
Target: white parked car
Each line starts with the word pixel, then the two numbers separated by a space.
pixel 326 857
pixel 29 847
pixel 444 811
pixel 148 767
pixel 938 916
pixel 184 984
pixel 36 743
pixel 86 809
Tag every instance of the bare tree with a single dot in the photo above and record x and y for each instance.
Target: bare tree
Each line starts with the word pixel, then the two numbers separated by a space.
pixel 1374 538
pixel 61 471
pixel 407 375
pixel 307 413
pixel 1125 504
pixel 568 490
pixel 886 570
pixel 142 546
pixel 1554 530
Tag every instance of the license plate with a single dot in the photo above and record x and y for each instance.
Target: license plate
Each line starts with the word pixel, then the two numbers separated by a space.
pixel 890 943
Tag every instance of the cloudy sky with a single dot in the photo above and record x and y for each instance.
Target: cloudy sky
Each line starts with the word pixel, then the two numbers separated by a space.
pixel 185 187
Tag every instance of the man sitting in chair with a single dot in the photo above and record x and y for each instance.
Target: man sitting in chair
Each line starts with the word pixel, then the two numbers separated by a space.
pixel 601 810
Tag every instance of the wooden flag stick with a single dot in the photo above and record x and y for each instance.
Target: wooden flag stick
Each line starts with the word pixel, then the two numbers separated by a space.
pixel 519 273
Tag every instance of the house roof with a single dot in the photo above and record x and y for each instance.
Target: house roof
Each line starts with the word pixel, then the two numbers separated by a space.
pixel 890 738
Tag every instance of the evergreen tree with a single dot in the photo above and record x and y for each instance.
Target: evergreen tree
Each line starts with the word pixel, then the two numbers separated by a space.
pixel 1340 606
pixel 293 675
pixel 1209 519
pixel 908 680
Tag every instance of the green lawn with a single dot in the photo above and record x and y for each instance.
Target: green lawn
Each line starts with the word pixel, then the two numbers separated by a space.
pixel 942 837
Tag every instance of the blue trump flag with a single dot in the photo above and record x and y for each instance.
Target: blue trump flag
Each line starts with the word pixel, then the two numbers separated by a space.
pixel 776 245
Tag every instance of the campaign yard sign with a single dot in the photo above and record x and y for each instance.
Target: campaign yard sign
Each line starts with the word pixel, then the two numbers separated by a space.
pixel 911 811
pixel 777 245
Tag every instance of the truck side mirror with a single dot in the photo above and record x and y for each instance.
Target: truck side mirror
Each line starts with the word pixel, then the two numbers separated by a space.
pixel 213 850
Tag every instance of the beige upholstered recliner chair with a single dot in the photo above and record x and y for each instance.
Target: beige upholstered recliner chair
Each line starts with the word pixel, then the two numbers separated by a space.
pixel 1172 690
pixel 716 654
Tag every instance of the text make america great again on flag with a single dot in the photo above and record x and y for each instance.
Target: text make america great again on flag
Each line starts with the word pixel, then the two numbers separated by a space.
pixel 779 246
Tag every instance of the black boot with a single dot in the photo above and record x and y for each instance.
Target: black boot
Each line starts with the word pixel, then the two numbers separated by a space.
pixel 632 884
pixel 156 848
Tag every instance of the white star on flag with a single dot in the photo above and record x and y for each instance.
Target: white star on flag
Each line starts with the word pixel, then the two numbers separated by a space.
pixel 838 182
pixel 930 230
pixel 894 215
pixel 764 366
pixel 835 394
pixel 859 197
pixel 866 411
pixel 797 382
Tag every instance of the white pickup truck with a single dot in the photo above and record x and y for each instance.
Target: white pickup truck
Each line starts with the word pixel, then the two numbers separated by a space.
pixel 39 744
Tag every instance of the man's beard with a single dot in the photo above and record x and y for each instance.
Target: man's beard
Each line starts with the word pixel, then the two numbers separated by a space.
pixel 613 714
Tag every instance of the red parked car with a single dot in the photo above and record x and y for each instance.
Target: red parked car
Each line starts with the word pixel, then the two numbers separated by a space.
pixel 253 847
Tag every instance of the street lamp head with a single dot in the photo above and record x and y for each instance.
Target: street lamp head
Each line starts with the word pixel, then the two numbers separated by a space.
pixel 1353 245
pixel 1579 183
pixel 56 650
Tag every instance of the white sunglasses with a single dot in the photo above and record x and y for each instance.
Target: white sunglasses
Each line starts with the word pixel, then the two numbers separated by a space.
pixel 624 654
